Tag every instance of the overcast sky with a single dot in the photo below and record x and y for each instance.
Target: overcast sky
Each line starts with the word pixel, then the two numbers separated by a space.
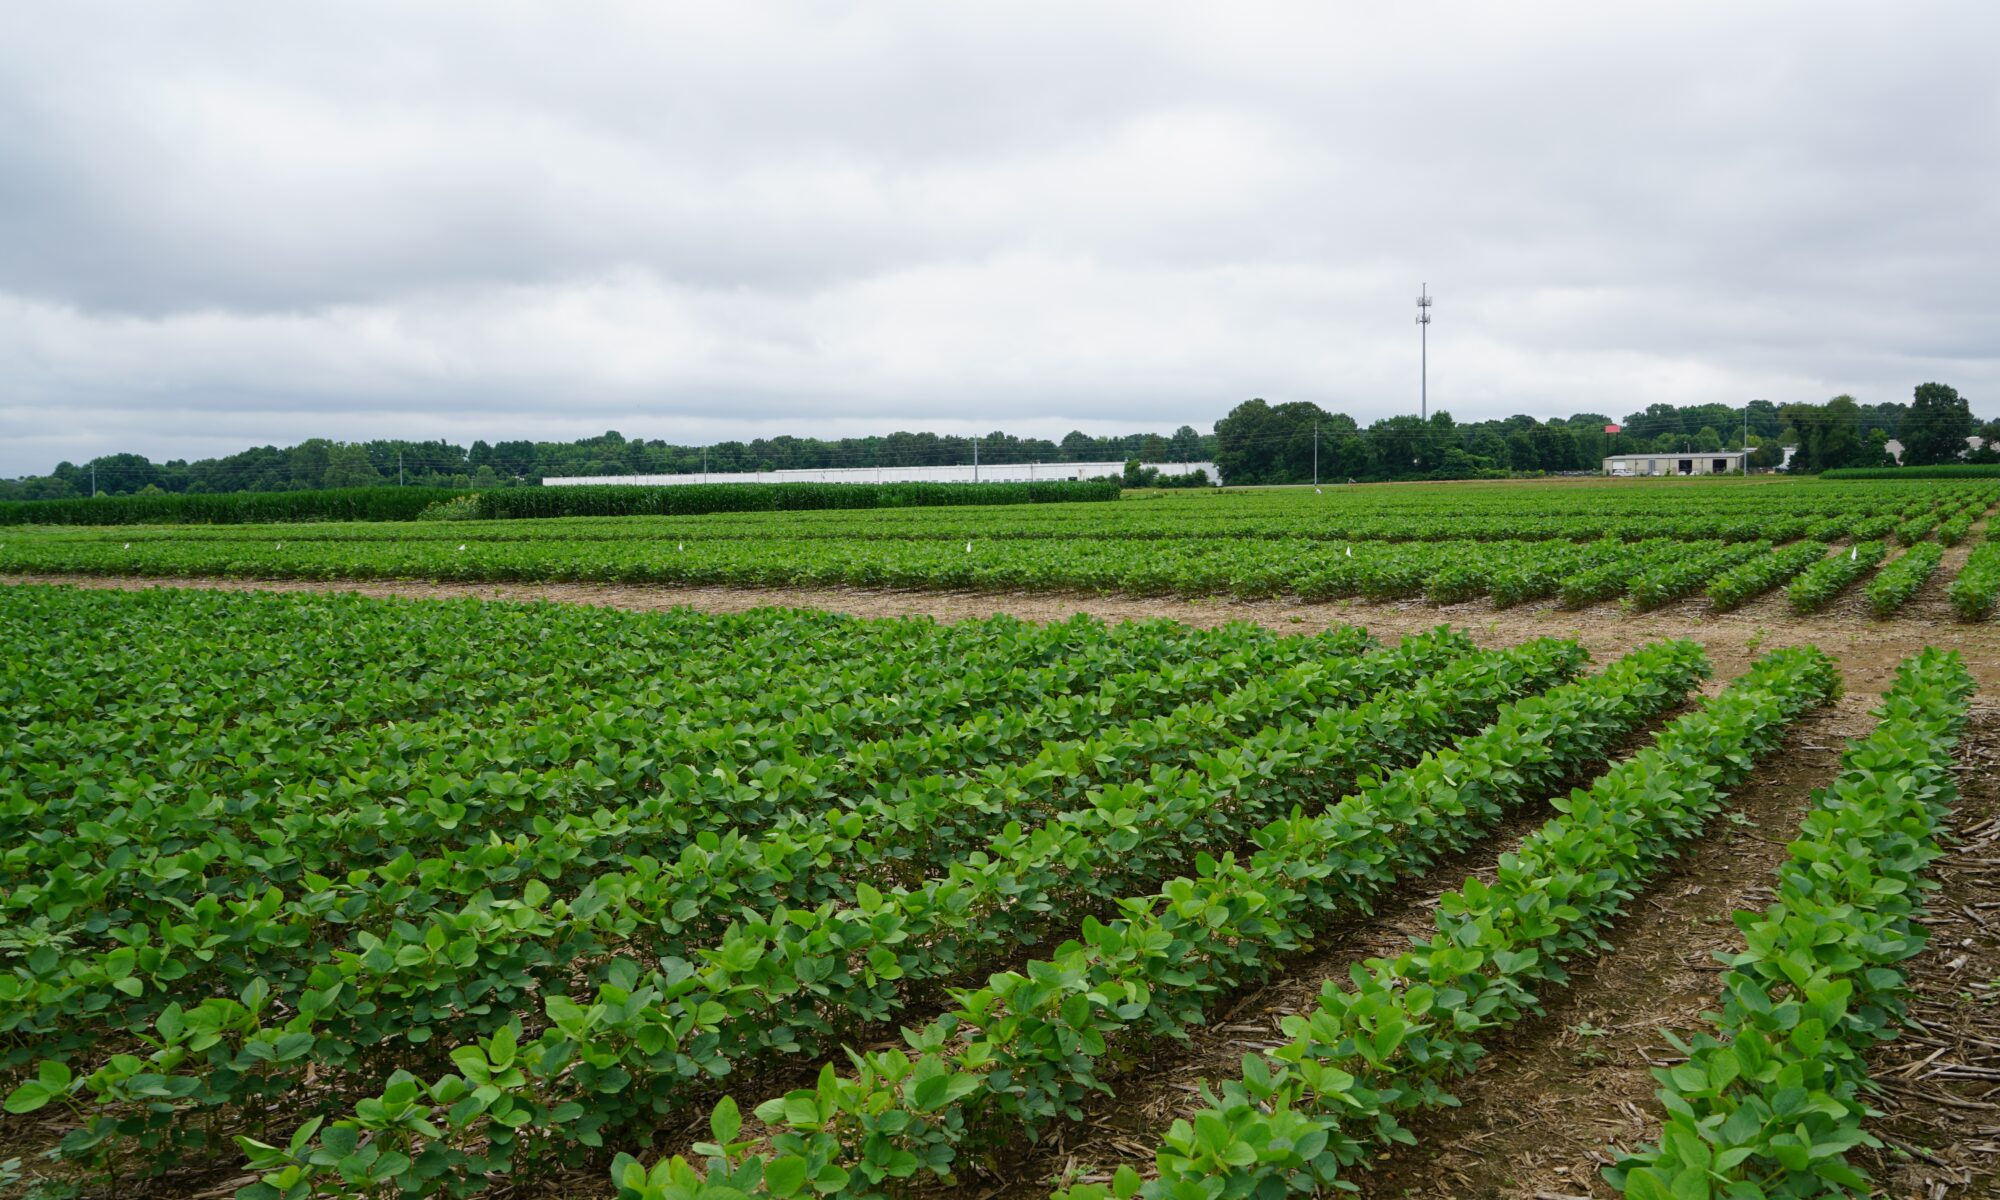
pixel 234 224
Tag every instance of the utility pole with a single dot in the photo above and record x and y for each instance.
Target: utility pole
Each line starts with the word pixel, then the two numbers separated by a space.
pixel 1746 439
pixel 1315 453
pixel 704 464
pixel 399 468
pixel 93 481
pixel 975 460
pixel 1424 353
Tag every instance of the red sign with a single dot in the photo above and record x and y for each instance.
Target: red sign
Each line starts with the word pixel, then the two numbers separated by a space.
pixel 1613 429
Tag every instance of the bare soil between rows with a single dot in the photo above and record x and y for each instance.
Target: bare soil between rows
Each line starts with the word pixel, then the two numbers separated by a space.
pixel 1164 1081
pixel 1866 649
pixel 1558 1095
pixel 1542 1115
pixel 1556 1091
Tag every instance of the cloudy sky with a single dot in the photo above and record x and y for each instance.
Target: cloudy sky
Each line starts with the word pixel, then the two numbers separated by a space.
pixel 233 223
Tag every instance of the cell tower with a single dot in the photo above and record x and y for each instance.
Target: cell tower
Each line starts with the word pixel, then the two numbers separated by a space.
pixel 1424 352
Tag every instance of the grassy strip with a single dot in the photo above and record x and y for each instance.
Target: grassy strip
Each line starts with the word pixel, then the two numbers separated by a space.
pixel 1935 471
pixel 409 503
pixel 620 499
pixel 1770 1103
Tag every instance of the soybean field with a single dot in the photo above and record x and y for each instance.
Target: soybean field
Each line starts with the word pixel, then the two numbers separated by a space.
pixel 324 895
pixel 1868 547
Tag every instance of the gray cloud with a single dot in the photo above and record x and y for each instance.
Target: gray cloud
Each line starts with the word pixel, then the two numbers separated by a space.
pixel 225 224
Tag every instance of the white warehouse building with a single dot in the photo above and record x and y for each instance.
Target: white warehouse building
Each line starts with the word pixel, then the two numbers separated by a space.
pixel 982 473
pixel 1706 462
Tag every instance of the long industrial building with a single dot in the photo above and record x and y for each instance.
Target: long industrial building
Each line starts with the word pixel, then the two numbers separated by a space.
pixel 983 473
pixel 1705 462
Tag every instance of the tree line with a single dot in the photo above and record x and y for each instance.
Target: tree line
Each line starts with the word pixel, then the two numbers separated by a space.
pixel 1261 443
pixel 320 463
pixel 1256 443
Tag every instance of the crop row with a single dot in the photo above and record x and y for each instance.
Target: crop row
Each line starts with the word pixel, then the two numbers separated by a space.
pixel 154 775
pixel 1770 1104
pixel 1192 938
pixel 1893 586
pixel 1282 1124
pixel 1688 510
pixel 225 852
pixel 382 927
pixel 760 987
pixel 1687 573
pixel 1976 590
pixel 376 504
pixel 1732 588
pixel 1311 569
pixel 1394 1039
pixel 1816 587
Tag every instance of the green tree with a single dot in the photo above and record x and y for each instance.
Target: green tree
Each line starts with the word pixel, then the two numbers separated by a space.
pixel 1936 427
pixel 1989 444
pixel 347 465
pixel 1875 451
pixel 121 474
pixel 307 464
pixel 1263 443
pixel 1353 456
pixel 1837 440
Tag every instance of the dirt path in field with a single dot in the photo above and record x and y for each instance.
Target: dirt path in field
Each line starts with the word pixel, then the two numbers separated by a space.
pixel 1932 603
pixel 1866 649
pixel 1941 1098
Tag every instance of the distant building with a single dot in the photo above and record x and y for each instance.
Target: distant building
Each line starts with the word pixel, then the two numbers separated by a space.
pixel 1895 448
pixel 983 473
pixel 1707 462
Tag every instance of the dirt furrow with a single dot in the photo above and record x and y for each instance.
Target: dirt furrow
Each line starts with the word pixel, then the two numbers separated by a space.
pixel 1932 601
pixel 1124 1128
pixel 1556 1090
pixel 1941 1079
